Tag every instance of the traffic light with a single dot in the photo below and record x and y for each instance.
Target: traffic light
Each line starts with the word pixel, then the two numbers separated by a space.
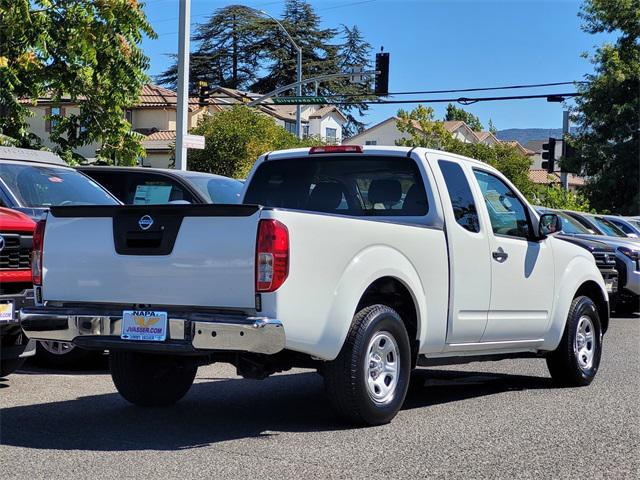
pixel 202 93
pixel 381 84
pixel 549 154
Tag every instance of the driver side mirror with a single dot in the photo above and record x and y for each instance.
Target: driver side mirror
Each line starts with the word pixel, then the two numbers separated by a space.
pixel 549 223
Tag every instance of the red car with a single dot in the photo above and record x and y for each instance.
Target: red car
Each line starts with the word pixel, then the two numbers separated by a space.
pixel 16 236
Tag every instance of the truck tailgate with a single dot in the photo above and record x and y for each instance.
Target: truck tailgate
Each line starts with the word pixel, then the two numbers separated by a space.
pixel 198 255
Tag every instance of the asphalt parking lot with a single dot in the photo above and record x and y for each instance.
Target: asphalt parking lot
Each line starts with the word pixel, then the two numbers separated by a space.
pixel 483 420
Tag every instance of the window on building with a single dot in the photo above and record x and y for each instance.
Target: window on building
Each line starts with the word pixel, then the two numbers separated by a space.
pixel 290 127
pixel 331 134
pixel 371 142
pixel 128 115
pixel 52 122
pixel 305 130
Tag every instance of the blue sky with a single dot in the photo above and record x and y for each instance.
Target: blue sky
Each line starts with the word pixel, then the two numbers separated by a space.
pixel 441 45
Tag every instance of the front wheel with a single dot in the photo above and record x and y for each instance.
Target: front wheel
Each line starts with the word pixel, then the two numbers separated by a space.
pixel 151 380
pixel 368 381
pixel 576 360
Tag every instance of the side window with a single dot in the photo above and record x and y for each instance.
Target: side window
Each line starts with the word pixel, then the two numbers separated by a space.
pixel 116 184
pixel 507 213
pixel 464 206
pixel 146 189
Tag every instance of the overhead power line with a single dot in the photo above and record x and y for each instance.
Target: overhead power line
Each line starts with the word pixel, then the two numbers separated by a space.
pixel 461 100
pixel 478 89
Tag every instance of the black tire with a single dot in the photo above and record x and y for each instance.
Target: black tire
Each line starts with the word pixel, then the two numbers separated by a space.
pixel 564 363
pixel 151 380
pixel 10 366
pixel 345 377
pixel 74 357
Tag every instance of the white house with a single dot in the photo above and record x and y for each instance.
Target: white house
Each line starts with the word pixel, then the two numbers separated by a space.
pixel 324 121
pixel 387 133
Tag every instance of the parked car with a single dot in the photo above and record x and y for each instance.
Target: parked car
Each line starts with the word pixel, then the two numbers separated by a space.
pixel 604 255
pixel 442 261
pixel 627 253
pixel 629 226
pixel 33 181
pixel 597 224
pixel 16 232
pixel 144 186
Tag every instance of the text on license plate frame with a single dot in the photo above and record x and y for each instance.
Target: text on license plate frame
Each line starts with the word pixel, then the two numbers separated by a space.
pixel 7 312
pixel 144 325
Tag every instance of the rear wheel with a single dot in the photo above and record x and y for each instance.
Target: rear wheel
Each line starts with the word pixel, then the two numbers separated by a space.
pixel 576 360
pixel 367 382
pixel 151 380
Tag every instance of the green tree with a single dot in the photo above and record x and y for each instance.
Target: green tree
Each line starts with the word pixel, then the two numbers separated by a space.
pixel 492 127
pixel 424 131
pixel 554 196
pixel 608 112
pixel 354 51
pixel 235 138
pixel 319 54
pixel 229 50
pixel 85 51
pixel 455 113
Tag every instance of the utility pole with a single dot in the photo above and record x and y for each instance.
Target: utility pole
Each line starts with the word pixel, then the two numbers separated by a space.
pixel 182 107
pixel 564 175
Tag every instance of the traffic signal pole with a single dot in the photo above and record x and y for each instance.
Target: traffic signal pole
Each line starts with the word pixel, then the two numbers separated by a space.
pixel 182 107
pixel 564 175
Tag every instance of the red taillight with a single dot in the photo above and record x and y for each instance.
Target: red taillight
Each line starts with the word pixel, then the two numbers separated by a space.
pixel 36 256
pixel 272 255
pixel 336 149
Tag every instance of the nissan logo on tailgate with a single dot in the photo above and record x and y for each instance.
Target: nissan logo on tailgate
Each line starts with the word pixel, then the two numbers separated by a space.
pixel 145 222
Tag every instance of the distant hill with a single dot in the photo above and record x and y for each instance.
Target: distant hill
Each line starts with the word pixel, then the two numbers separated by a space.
pixel 525 135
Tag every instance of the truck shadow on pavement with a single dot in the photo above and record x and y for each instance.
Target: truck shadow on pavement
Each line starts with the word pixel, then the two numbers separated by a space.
pixel 227 409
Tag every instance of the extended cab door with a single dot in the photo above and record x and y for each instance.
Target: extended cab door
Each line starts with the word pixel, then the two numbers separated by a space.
pixel 468 244
pixel 522 269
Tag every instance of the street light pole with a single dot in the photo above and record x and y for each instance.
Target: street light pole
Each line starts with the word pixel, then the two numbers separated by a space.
pixel 182 106
pixel 298 69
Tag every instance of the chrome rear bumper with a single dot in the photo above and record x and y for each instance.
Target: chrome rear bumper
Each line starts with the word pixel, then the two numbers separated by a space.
pixel 188 333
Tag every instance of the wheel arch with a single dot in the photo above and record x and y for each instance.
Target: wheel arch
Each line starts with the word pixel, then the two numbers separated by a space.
pixel 580 277
pixel 592 290
pixel 394 293
pixel 381 272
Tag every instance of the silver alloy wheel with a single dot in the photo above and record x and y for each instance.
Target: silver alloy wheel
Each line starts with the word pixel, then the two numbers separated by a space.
pixel 584 345
pixel 382 367
pixel 57 348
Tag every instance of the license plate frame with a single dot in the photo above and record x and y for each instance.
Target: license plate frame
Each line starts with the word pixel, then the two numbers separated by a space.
pixel 144 325
pixel 7 312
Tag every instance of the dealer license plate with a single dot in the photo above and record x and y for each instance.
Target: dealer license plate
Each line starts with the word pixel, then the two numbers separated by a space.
pixel 149 325
pixel 6 312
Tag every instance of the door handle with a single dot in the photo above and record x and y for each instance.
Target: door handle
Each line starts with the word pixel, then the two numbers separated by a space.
pixel 500 255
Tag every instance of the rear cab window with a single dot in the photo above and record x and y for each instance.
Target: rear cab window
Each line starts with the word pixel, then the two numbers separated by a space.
pixel 363 185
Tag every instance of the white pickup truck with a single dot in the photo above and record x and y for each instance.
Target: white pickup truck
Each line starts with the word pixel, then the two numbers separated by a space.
pixel 360 262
